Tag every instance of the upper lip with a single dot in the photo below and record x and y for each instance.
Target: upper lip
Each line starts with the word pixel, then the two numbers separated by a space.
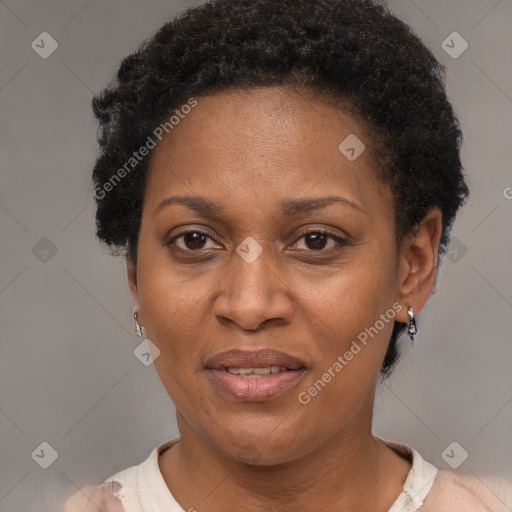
pixel 262 358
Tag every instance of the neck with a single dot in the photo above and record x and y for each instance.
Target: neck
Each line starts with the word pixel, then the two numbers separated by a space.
pixel 353 471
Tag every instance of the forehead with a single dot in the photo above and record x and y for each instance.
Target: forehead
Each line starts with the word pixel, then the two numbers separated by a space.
pixel 260 146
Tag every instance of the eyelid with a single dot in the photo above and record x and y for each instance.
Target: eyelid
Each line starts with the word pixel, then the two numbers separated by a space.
pixel 325 231
pixel 341 239
pixel 203 231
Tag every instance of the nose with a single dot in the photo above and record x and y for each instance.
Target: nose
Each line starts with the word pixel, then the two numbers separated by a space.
pixel 253 293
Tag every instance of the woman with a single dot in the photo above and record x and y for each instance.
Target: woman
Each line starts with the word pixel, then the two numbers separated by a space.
pixel 282 177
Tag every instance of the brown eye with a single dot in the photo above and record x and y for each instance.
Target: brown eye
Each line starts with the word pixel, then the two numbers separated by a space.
pixel 191 240
pixel 194 240
pixel 316 240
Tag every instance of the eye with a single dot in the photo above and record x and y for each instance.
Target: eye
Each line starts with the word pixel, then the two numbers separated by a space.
pixel 191 240
pixel 315 240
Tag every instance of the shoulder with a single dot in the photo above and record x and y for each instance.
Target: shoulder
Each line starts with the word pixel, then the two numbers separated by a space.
pixel 428 489
pixel 121 489
pixel 467 493
pixel 112 495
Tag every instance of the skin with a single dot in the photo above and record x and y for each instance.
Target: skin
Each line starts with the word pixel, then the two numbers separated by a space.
pixel 249 151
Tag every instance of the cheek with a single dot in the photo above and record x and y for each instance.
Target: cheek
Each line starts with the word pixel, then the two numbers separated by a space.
pixel 354 300
pixel 168 305
pixel 171 313
pixel 351 336
pixel 350 341
pixel 167 294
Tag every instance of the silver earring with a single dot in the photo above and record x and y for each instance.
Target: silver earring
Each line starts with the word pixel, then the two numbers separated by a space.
pixel 412 330
pixel 139 330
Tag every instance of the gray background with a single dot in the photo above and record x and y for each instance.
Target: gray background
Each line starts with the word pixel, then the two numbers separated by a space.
pixel 68 375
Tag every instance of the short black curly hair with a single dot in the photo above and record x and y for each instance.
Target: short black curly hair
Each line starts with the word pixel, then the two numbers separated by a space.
pixel 354 52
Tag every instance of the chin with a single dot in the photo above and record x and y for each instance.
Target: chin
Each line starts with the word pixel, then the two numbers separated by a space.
pixel 260 448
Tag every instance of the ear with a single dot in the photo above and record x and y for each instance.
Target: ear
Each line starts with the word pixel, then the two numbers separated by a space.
pixel 418 264
pixel 131 274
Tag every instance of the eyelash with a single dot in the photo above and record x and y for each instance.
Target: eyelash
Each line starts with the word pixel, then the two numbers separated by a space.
pixel 338 239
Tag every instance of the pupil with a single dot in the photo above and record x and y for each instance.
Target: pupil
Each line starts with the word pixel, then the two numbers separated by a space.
pixel 315 237
pixel 192 239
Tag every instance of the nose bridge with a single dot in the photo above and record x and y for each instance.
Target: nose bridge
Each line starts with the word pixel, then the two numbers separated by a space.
pixel 252 267
pixel 252 292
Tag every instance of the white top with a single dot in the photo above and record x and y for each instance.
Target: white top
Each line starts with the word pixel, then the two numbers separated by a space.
pixel 426 489
pixel 144 488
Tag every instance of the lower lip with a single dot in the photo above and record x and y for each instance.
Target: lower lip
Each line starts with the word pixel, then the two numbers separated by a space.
pixel 255 389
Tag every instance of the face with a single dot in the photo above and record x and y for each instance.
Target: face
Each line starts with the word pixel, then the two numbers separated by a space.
pixel 260 272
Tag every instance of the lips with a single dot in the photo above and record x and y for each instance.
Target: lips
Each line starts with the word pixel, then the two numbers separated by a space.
pixel 254 376
pixel 263 358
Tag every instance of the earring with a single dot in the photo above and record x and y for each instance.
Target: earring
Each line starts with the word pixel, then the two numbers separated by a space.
pixel 412 330
pixel 139 330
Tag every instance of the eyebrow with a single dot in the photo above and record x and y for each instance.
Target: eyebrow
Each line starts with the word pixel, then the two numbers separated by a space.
pixel 288 208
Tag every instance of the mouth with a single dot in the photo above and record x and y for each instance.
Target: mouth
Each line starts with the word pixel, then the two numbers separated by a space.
pixel 258 373
pixel 254 376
